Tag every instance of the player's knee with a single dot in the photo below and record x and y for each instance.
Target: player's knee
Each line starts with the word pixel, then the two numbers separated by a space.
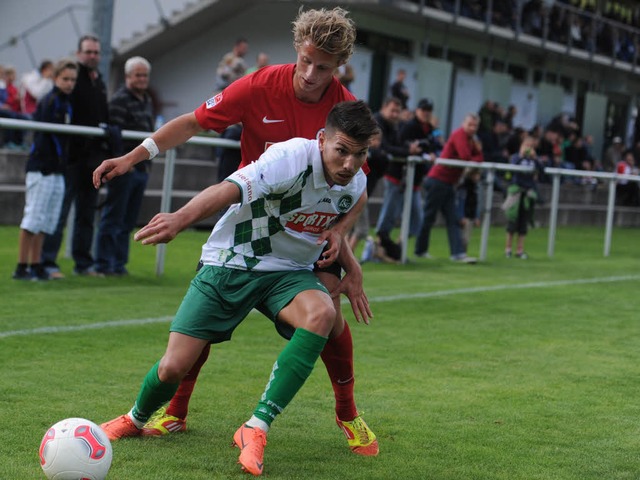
pixel 321 319
pixel 171 371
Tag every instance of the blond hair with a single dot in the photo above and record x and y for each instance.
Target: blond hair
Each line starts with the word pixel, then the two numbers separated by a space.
pixel 63 64
pixel 328 30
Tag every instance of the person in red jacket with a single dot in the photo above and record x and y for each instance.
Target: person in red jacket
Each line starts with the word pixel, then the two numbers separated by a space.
pixel 440 194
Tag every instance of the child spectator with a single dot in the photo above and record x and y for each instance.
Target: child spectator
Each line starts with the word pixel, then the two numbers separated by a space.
pixel 10 108
pixel 521 198
pixel 11 100
pixel 45 175
pixel 35 85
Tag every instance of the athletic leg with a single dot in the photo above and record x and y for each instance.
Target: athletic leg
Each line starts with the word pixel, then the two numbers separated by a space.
pixel 158 386
pixel 337 357
pixel 179 405
pixel 311 314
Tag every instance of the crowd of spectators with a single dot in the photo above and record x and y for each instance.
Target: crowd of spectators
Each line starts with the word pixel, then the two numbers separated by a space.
pixel 561 143
pixel 612 31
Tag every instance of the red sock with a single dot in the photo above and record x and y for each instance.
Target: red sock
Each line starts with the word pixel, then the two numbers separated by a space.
pixel 179 404
pixel 338 359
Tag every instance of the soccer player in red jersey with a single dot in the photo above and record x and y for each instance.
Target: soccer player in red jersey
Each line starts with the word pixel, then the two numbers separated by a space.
pixel 274 104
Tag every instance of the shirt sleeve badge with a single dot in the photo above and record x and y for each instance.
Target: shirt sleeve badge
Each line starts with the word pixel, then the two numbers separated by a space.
pixel 213 101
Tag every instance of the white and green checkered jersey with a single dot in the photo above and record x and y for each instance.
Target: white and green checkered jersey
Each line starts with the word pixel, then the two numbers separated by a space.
pixel 286 204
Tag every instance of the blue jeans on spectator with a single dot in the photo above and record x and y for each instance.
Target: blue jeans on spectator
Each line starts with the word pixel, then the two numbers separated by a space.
pixel 79 191
pixel 119 218
pixel 439 197
pixel 392 203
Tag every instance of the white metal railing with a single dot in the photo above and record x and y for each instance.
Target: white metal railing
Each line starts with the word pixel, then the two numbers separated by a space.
pixel 169 165
pixel 612 179
pixel 490 167
pixel 556 174
pixel 411 161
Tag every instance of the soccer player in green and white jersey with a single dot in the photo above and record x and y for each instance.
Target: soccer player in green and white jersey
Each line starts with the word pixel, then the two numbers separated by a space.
pixel 274 104
pixel 261 255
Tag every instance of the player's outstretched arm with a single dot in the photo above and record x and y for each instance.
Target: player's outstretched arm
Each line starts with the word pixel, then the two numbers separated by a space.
pixel 170 135
pixel 164 227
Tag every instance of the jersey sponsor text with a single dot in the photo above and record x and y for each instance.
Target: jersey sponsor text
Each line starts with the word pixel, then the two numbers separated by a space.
pixel 311 222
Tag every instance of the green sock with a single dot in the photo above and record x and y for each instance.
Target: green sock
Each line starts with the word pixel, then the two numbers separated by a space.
pixel 292 368
pixel 153 394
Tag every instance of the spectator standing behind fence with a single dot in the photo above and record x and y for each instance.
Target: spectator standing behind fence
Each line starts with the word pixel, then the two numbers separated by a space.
pixel 346 75
pixel 262 60
pixel 613 155
pixel 399 89
pixel 232 65
pixel 521 198
pixel 11 99
pixel 130 108
pixel 421 128
pixel 34 85
pixel 10 108
pixel 488 114
pixel 494 149
pixel 45 174
pixel 229 159
pixel 627 191
pixel 548 150
pixel 394 186
pixel 89 103
pixel 440 187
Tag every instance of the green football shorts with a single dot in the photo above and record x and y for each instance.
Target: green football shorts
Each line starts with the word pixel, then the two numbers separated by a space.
pixel 219 299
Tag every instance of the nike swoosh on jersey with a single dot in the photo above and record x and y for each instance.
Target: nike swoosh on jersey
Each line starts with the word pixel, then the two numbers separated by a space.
pixel 267 120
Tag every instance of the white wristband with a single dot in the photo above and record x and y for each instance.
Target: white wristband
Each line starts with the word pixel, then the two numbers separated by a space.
pixel 151 147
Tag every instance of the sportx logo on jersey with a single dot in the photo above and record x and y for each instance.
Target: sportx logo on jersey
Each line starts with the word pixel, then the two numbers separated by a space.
pixel 311 222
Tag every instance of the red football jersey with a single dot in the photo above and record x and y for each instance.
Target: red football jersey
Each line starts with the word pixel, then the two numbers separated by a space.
pixel 265 103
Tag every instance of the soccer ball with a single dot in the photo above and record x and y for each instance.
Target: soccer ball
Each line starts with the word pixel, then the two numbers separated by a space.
pixel 75 449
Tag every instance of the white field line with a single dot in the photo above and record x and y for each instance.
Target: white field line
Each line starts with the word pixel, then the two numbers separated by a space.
pixel 388 298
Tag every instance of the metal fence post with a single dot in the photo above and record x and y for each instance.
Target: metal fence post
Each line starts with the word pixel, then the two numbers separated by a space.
pixel 406 207
pixel 553 213
pixel 486 218
pixel 611 205
pixel 165 203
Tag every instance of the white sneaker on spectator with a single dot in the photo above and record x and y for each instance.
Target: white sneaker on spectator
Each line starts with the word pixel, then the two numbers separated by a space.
pixel 368 250
pixel 463 258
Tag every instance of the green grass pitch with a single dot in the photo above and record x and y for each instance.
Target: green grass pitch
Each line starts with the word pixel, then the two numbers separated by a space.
pixel 505 370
